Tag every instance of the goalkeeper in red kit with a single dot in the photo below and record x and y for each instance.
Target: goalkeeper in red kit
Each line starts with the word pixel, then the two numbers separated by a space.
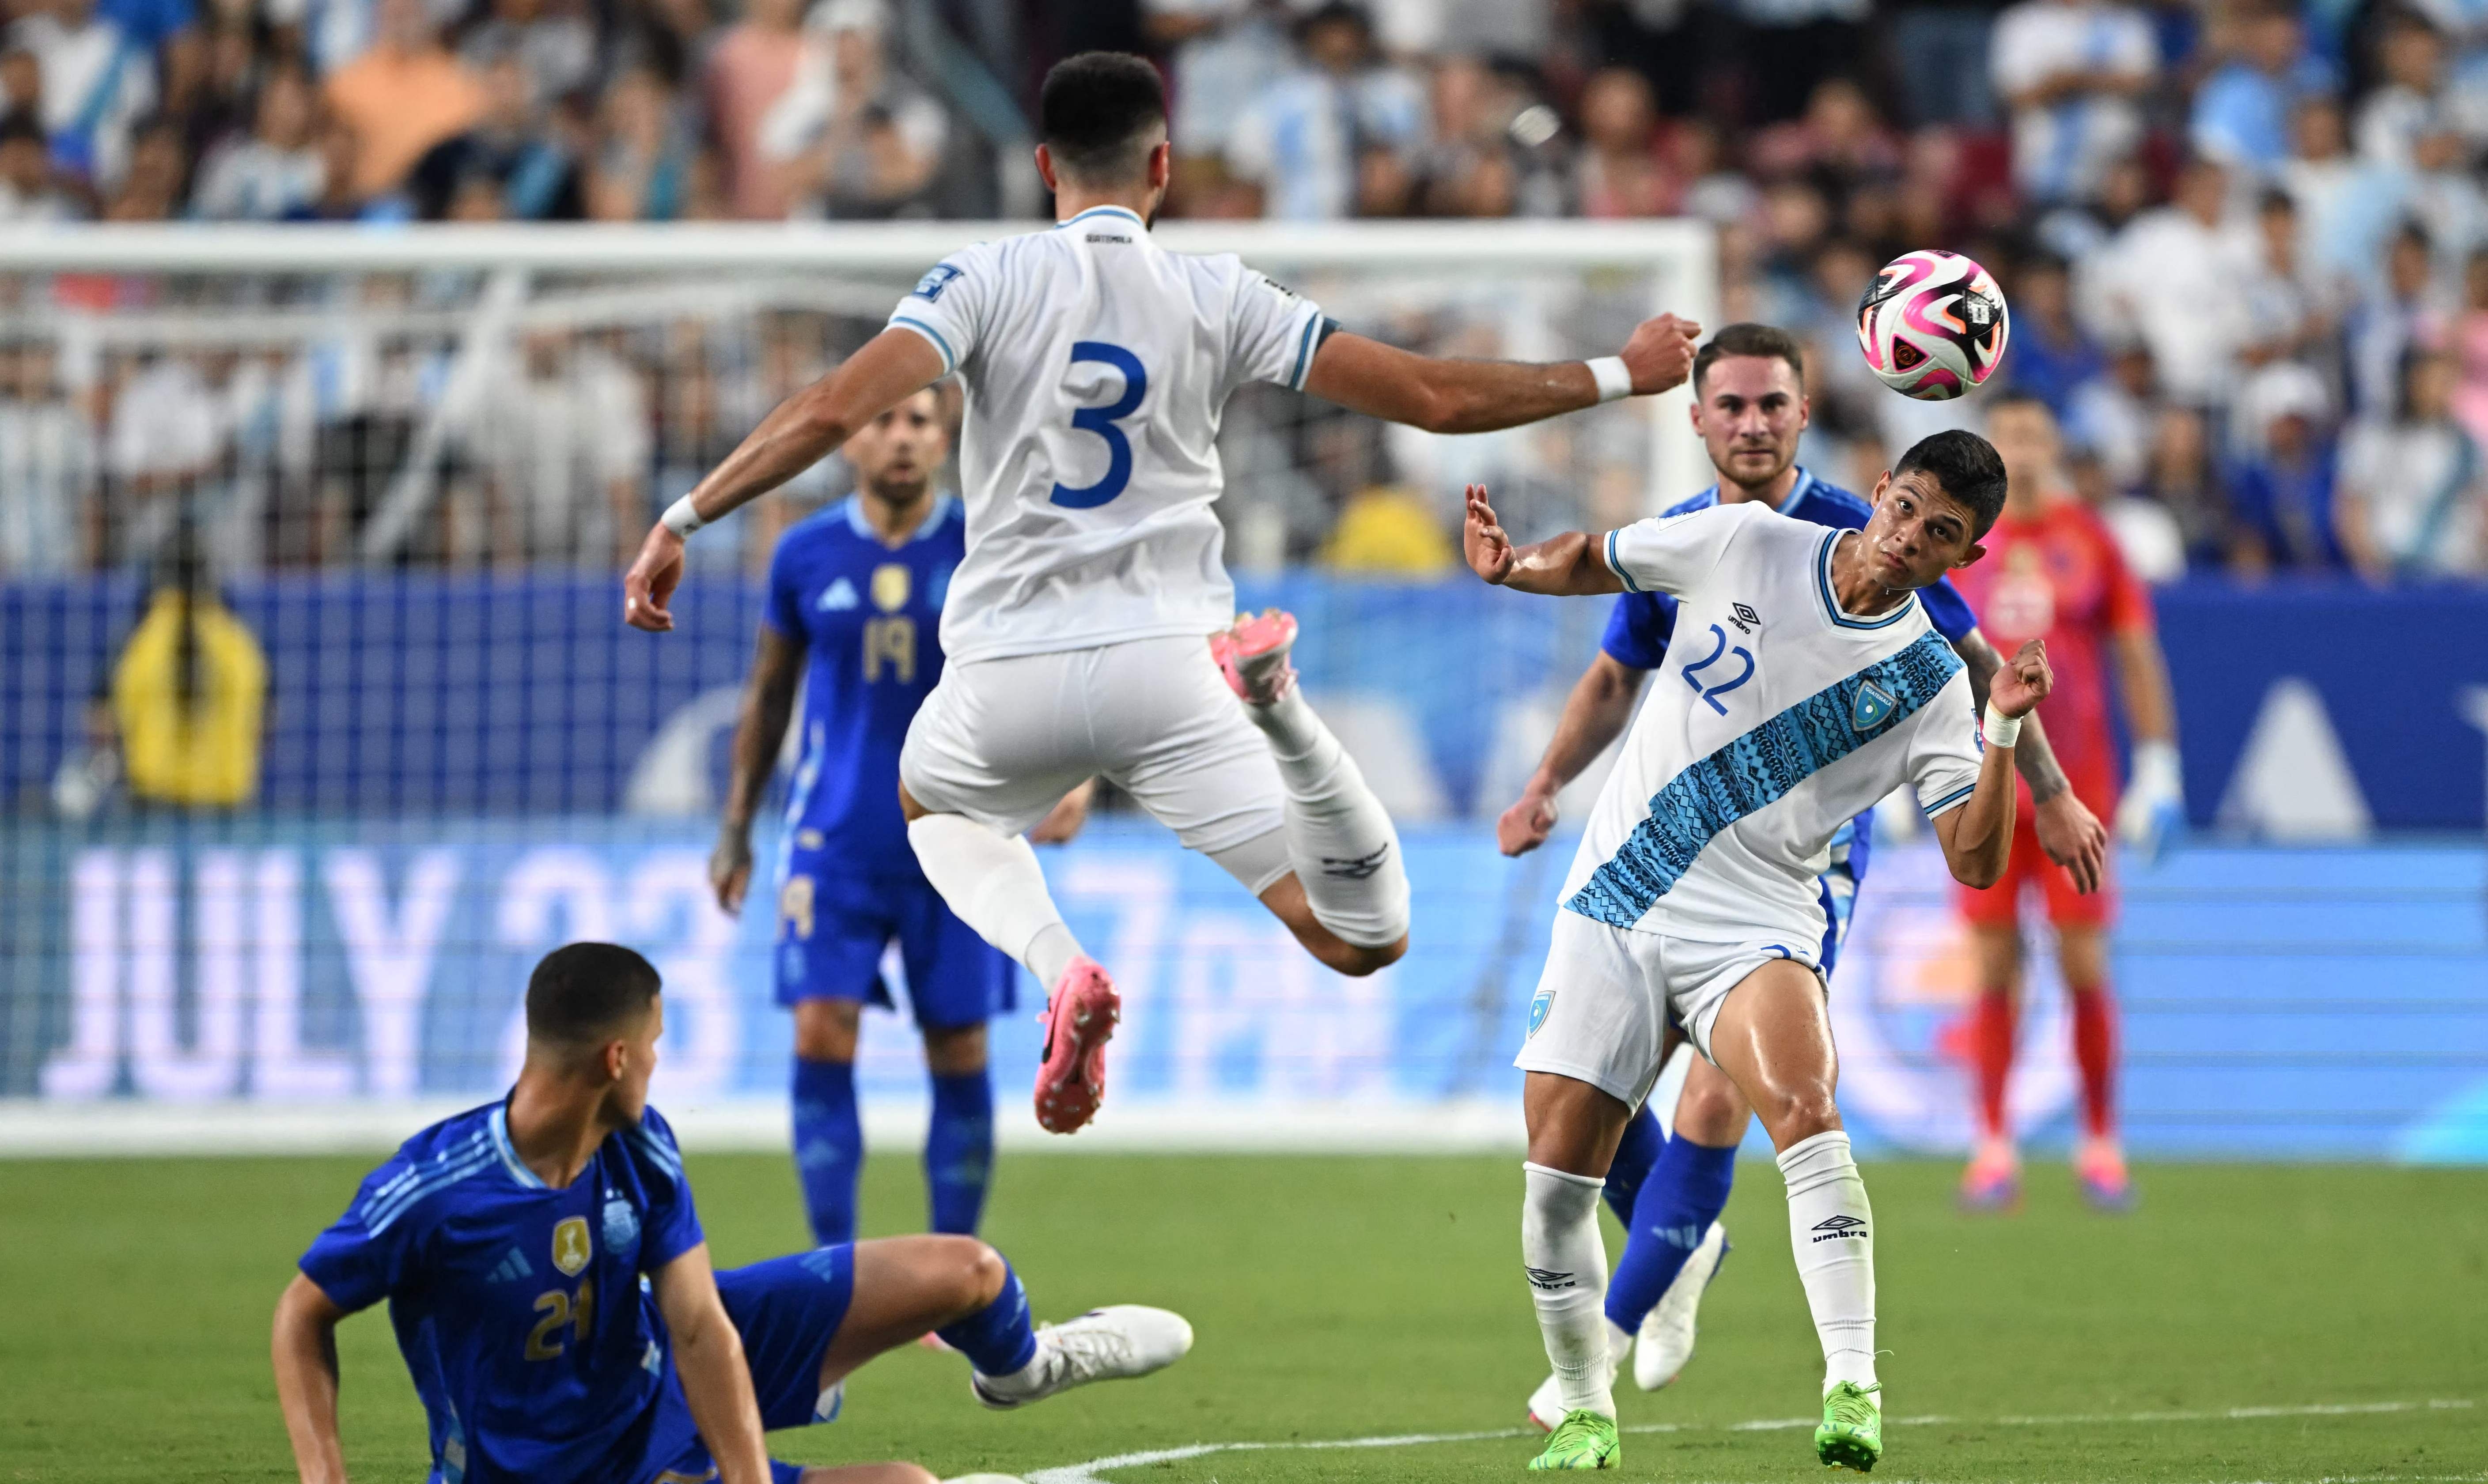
pixel 2054 572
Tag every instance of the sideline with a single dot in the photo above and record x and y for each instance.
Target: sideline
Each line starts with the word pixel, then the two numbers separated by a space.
pixel 1088 1473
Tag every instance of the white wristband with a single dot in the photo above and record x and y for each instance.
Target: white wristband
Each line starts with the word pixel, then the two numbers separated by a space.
pixel 1615 381
pixel 2000 730
pixel 681 518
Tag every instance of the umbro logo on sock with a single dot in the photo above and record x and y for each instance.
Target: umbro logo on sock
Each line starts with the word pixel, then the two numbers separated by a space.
pixel 1356 868
pixel 1839 1226
pixel 1549 1281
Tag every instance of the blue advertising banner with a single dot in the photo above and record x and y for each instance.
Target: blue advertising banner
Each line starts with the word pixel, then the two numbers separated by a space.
pixel 2276 1003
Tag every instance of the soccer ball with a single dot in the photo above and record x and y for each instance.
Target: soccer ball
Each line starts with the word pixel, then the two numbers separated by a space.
pixel 1933 325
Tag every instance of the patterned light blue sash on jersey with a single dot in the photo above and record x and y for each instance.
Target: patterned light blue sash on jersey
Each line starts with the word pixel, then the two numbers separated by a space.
pixel 1757 769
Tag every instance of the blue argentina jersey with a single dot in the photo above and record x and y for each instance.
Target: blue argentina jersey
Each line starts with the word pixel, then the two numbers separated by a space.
pixel 520 1309
pixel 871 616
pixel 1641 624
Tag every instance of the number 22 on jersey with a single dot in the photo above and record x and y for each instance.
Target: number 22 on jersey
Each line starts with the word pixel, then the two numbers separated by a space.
pixel 1101 422
pixel 1714 688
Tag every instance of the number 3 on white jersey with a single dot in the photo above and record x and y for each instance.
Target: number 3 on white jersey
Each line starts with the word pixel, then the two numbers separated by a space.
pixel 1101 422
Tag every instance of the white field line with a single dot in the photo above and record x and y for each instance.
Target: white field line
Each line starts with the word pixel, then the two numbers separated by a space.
pixel 1088 1473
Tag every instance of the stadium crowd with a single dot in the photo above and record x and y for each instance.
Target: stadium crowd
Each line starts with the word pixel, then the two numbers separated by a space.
pixel 2245 245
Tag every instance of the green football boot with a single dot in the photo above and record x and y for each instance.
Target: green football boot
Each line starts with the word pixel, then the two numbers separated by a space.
pixel 1852 1434
pixel 1584 1440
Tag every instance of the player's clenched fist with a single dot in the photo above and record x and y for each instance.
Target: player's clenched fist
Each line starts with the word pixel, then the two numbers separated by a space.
pixel 2022 682
pixel 1482 541
pixel 1661 354
pixel 651 580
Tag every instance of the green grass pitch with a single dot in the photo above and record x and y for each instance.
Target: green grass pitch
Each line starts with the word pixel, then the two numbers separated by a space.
pixel 1341 1299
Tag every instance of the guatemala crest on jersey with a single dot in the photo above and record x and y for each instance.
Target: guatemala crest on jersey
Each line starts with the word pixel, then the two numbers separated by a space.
pixel 1538 1008
pixel 1872 709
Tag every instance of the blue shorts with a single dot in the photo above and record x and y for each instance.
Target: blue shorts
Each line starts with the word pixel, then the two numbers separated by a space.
pixel 834 927
pixel 788 1309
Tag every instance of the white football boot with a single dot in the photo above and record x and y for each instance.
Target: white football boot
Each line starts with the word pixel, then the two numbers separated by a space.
pixel 1546 1403
pixel 1116 1342
pixel 1667 1329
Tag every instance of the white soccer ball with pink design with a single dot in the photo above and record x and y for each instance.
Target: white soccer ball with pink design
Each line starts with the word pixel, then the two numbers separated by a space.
pixel 1933 325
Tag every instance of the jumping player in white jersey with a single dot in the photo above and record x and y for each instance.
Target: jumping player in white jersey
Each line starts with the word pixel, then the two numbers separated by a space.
pixel 1821 687
pixel 1097 365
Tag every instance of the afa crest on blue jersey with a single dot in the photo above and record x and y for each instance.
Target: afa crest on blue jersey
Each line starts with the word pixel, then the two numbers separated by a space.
pixel 621 1223
pixel 1872 709
pixel 1538 1008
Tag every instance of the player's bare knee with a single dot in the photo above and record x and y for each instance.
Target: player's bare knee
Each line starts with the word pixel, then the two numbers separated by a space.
pixel 979 1274
pixel 1357 961
pixel 1712 1115
pixel 1802 1113
pixel 827 1029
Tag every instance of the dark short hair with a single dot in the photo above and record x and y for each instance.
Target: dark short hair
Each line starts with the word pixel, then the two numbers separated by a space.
pixel 585 993
pixel 1968 469
pixel 1746 338
pixel 22 128
pixel 1099 113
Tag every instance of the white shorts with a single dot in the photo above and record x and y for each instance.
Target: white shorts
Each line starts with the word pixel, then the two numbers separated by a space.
pixel 1002 741
pixel 1602 1006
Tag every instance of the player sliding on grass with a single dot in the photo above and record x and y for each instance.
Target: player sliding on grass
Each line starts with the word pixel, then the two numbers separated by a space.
pixel 1818 688
pixel 552 1292
pixel 1091 628
pixel 1668 1190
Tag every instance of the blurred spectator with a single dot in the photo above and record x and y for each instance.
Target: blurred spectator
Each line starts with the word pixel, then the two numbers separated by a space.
pixel 2382 330
pixel 1792 46
pixel 2110 415
pixel 2182 483
pixel 2178 278
pixel 552 40
pixel 275 172
pixel 1387 530
pixel 2413 486
pixel 2241 112
pixel 2281 496
pixel 29 191
pixel 2147 535
pixel 2468 343
pixel 852 137
pixel 749 71
pixel 97 81
pixel 2406 117
pixel 2291 312
pixel 1621 171
pixel 152 188
pixel 21 83
pixel 561 437
pixel 159 449
pixel 1490 155
pixel 403 96
pixel 512 153
pixel 338 199
pixel 1223 53
pixel 1940 50
pixel 2070 71
pixel 1838 142
pixel 190 692
pixel 2051 356
pixel 644 161
pixel 1302 138
pixel 47 469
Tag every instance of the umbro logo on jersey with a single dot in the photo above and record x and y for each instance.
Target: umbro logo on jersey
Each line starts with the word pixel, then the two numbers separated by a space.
pixel 837 595
pixel 1743 617
pixel 1838 1227
pixel 1356 868
pixel 1874 707
pixel 1551 1282
pixel 514 1266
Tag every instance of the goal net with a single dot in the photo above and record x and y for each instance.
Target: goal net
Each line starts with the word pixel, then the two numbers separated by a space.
pixel 318 723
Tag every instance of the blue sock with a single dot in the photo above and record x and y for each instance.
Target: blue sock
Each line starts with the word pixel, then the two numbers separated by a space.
pixel 1635 1157
pixel 960 1150
pixel 1686 1191
pixel 999 1338
pixel 829 1147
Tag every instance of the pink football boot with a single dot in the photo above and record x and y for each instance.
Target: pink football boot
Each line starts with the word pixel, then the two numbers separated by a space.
pixel 1253 656
pixel 1079 1017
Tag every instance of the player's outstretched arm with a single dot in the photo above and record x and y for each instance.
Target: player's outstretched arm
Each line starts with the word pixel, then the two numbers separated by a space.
pixel 797 435
pixel 2068 832
pixel 1465 395
pixel 759 731
pixel 1566 566
pixel 304 1349
pixel 1977 838
pixel 1594 717
pixel 708 1356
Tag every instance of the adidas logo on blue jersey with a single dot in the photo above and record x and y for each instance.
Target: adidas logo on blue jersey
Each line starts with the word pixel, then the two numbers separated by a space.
pixel 841 594
pixel 514 1266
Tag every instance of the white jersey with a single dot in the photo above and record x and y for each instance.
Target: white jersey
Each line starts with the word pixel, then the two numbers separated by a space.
pixel 1097 365
pixel 1777 719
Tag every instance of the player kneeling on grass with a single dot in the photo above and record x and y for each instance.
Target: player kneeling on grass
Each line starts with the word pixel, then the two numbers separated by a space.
pixel 551 1291
pixel 1821 688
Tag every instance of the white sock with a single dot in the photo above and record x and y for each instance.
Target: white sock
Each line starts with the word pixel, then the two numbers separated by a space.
pixel 1832 1231
pixel 993 882
pixel 1567 1261
pixel 1346 853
